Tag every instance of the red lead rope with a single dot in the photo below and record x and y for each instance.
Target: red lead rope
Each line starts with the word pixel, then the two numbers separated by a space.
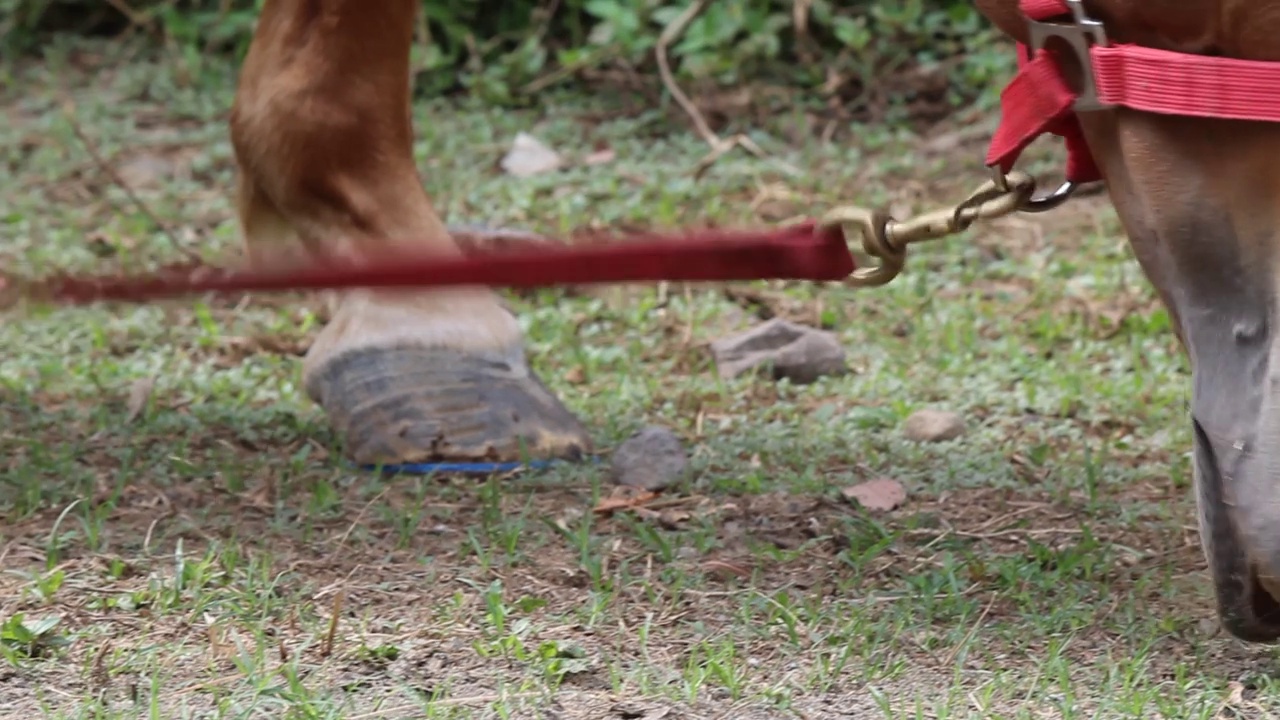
pixel 800 252
pixel 1037 101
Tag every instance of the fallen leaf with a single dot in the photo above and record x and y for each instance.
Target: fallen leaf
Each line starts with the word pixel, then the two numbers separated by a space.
pixel 881 494
pixel 623 498
pixel 652 459
pixel 667 519
pixel 600 157
pixel 725 569
pixel 528 156
pixel 139 393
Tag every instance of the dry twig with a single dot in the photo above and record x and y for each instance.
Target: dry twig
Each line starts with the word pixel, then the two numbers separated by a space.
pixel 719 145
pixel 106 168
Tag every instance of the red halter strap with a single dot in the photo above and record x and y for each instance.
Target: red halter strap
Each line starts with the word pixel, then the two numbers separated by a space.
pixel 1038 100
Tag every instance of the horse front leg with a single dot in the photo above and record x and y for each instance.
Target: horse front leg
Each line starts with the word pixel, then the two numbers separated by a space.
pixel 324 147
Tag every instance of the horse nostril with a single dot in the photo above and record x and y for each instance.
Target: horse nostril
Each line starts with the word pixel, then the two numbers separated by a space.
pixel 1246 331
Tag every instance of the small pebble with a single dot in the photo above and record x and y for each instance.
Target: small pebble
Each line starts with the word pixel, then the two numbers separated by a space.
pixel 879 495
pixel 933 426
pixel 652 459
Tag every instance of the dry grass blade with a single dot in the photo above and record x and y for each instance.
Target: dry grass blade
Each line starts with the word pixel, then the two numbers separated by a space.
pixel 106 168
pixel 627 501
pixel 327 648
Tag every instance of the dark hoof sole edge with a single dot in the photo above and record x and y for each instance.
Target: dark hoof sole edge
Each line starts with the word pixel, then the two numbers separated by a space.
pixel 471 468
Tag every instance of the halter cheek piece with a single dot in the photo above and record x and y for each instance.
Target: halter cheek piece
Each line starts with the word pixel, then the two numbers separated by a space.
pixel 1039 99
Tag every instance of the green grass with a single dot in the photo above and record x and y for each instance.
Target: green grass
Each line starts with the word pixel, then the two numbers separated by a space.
pixel 207 554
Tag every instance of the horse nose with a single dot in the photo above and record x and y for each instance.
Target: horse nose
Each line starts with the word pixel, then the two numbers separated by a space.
pixel 1256 512
pixel 1240 533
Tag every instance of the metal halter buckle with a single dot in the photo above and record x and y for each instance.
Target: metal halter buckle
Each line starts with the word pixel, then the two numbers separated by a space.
pixel 1079 36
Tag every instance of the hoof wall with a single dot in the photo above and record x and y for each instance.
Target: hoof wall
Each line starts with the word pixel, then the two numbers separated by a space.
pixel 445 409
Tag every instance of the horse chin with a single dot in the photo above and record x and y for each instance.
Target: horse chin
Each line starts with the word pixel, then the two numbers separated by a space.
pixel 1235 412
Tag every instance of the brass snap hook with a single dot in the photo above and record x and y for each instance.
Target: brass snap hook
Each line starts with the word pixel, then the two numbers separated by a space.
pixel 872 226
pixel 885 238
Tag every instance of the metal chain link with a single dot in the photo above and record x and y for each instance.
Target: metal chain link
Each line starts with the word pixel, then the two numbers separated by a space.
pixel 887 239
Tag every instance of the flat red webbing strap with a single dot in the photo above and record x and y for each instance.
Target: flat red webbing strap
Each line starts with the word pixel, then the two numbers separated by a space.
pixel 1173 83
pixel 794 253
pixel 1043 9
pixel 1038 101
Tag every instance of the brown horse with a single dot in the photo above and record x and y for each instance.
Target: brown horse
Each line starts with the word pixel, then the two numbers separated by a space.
pixel 322 134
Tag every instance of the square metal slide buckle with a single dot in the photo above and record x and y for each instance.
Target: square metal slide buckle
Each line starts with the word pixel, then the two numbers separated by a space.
pixel 1079 35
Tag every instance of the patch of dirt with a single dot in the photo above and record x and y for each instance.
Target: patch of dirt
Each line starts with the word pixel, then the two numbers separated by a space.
pixel 356 560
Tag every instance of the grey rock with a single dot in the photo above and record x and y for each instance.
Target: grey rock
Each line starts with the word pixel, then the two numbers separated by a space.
pixel 529 156
pixel 933 426
pixel 784 349
pixel 652 459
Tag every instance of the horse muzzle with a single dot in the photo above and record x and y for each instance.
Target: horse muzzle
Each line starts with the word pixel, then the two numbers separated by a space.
pixel 1236 421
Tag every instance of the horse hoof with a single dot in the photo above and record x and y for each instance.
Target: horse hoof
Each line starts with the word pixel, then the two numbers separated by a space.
pixel 402 405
